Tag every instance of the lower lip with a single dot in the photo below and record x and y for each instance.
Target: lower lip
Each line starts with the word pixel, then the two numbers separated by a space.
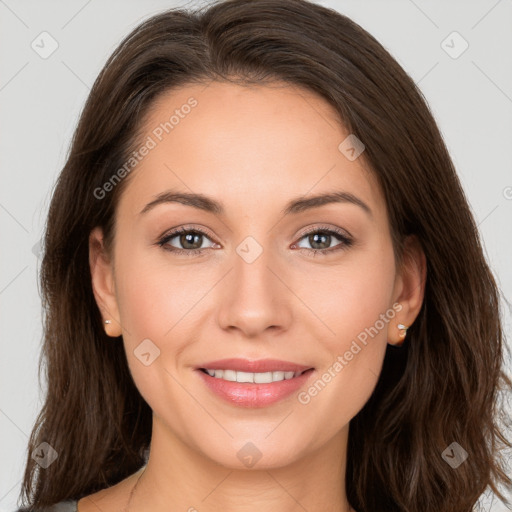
pixel 247 394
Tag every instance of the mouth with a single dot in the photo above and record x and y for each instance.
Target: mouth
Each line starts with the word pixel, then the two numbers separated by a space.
pixel 253 377
pixel 245 383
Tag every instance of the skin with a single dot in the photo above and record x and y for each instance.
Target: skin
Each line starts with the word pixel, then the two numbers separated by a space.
pixel 254 149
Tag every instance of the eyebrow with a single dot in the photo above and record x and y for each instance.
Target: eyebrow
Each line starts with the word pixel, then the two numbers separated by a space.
pixel 295 206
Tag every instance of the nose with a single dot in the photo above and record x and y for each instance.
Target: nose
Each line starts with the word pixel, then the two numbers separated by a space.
pixel 254 297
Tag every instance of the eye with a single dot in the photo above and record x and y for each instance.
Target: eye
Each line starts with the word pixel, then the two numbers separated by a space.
pixel 320 239
pixel 189 239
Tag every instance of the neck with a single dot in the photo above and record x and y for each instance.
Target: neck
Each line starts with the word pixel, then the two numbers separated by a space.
pixel 179 478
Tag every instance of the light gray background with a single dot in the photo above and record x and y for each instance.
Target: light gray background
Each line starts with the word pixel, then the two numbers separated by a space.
pixel 470 96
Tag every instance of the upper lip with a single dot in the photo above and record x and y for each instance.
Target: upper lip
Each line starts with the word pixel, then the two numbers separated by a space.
pixel 260 366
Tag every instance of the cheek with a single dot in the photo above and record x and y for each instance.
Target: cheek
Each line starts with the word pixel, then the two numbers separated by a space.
pixel 352 295
pixel 152 294
pixel 355 307
pixel 154 305
pixel 143 304
pixel 157 302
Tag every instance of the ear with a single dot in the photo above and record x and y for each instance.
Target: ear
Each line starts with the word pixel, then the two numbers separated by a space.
pixel 409 289
pixel 103 283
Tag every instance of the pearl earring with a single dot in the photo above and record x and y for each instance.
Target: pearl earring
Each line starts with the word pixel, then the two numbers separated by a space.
pixel 403 333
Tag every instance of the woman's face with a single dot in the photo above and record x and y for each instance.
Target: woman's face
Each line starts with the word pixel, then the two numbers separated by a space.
pixel 255 290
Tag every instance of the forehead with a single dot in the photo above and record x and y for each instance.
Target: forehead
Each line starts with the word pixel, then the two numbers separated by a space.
pixel 252 147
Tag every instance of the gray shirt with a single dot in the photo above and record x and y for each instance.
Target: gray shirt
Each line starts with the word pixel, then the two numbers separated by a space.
pixel 62 506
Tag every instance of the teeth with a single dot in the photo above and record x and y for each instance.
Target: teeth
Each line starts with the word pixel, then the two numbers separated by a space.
pixel 257 378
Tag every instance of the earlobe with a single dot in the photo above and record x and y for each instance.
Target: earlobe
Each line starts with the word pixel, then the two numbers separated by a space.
pixel 411 280
pixel 103 283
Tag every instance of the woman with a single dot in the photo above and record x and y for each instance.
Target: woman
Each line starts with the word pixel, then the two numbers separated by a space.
pixel 263 283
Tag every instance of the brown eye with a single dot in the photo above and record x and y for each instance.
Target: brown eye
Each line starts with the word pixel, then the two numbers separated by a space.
pixel 189 241
pixel 320 241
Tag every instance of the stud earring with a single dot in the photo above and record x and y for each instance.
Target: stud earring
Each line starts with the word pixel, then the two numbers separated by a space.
pixel 110 334
pixel 403 333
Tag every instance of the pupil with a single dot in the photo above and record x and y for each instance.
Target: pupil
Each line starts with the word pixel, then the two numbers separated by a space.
pixel 185 239
pixel 315 236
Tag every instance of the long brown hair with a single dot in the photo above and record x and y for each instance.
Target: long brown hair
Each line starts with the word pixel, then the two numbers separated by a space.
pixel 443 386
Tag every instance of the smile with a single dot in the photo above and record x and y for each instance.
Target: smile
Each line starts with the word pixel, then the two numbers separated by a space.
pixel 255 378
pixel 253 389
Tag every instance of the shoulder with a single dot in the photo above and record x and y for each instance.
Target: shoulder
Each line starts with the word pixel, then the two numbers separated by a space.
pixel 63 506
pixel 109 499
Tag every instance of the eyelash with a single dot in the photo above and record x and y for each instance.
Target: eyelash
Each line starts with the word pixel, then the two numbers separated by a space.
pixel 346 241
